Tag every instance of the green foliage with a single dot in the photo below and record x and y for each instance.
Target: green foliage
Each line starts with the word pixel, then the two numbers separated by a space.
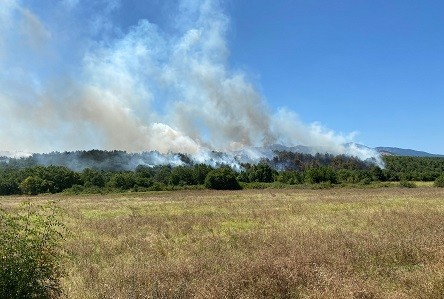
pixel 30 253
pixel 9 184
pixel 144 171
pixel 413 168
pixel 258 173
pixel 92 177
pixel 34 185
pixel 158 187
pixel 182 175
pixel 377 173
pixel 291 177
pixel 162 174
pixel 320 175
pixel 200 172
pixel 300 162
pixel 439 182
pixel 56 178
pixel 21 176
pixel 123 181
pixel 407 184
pixel 347 176
pixel 223 178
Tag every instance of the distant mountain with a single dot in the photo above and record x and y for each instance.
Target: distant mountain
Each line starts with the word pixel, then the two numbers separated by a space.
pixel 395 151
pixel 351 148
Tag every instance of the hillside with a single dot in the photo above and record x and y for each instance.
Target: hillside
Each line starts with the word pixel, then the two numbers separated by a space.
pixel 395 151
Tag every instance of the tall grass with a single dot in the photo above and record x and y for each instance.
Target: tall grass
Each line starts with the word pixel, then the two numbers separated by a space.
pixel 333 243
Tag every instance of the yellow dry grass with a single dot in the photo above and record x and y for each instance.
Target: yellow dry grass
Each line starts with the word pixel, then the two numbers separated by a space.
pixel 337 243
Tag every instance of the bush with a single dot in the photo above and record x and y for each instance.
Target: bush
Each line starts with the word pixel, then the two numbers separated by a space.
pixel 291 177
pixel 320 175
pixel 407 184
pixel 35 185
pixel 183 175
pixel 93 177
pixel 439 182
pixel 158 187
pixel 30 253
pixel 260 173
pixel 223 178
pixel 74 190
pixel 122 181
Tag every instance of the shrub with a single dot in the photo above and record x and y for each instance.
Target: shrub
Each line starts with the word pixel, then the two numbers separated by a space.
pixel 74 190
pixel 223 178
pixel 93 177
pixel 158 187
pixel 183 175
pixel 35 185
pixel 407 184
pixel 30 253
pixel 260 173
pixel 320 175
pixel 122 181
pixel 439 182
pixel 291 177
pixel 322 185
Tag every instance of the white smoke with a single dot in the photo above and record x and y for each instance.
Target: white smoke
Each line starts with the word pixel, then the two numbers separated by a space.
pixel 143 88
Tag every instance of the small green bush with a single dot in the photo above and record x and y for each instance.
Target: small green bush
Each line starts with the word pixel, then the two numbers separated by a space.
pixel 223 178
pixel 74 190
pixel 30 253
pixel 439 182
pixel 158 187
pixel 407 184
pixel 320 175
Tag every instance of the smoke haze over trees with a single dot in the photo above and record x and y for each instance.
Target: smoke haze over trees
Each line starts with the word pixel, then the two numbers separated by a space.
pixel 102 171
pixel 162 86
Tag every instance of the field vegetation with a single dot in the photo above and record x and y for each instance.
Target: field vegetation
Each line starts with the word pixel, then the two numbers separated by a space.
pixel 289 243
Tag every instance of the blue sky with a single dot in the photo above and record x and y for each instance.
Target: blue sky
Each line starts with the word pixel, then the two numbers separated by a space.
pixel 125 74
pixel 375 67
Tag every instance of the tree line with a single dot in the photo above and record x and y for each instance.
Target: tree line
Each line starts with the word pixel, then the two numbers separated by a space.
pixel 21 176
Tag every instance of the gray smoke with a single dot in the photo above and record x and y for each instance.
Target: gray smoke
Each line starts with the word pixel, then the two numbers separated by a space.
pixel 147 88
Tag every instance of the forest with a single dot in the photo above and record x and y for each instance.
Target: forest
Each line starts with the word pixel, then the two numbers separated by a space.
pixel 99 171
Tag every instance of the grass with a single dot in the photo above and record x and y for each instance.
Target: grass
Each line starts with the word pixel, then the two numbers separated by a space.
pixel 332 243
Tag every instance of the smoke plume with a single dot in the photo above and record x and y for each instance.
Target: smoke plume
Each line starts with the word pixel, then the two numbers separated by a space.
pixel 75 79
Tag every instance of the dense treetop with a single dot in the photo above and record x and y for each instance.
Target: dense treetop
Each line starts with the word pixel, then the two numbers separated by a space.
pixel 107 171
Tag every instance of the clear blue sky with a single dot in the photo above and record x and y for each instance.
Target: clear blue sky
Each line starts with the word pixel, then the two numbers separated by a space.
pixel 374 67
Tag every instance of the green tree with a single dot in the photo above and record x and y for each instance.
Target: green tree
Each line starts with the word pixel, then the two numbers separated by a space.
pixel 320 174
pixel 439 182
pixel 223 178
pixel 122 180
pixel 200 172
pixel 92 177
pixel 34 185
pixel 291 177
pixel 162 174
pixel 183 175
pixel 9 182
pixel 260 173
pixel 377 173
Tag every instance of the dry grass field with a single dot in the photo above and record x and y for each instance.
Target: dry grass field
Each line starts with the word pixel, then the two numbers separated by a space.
pixel 337 243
